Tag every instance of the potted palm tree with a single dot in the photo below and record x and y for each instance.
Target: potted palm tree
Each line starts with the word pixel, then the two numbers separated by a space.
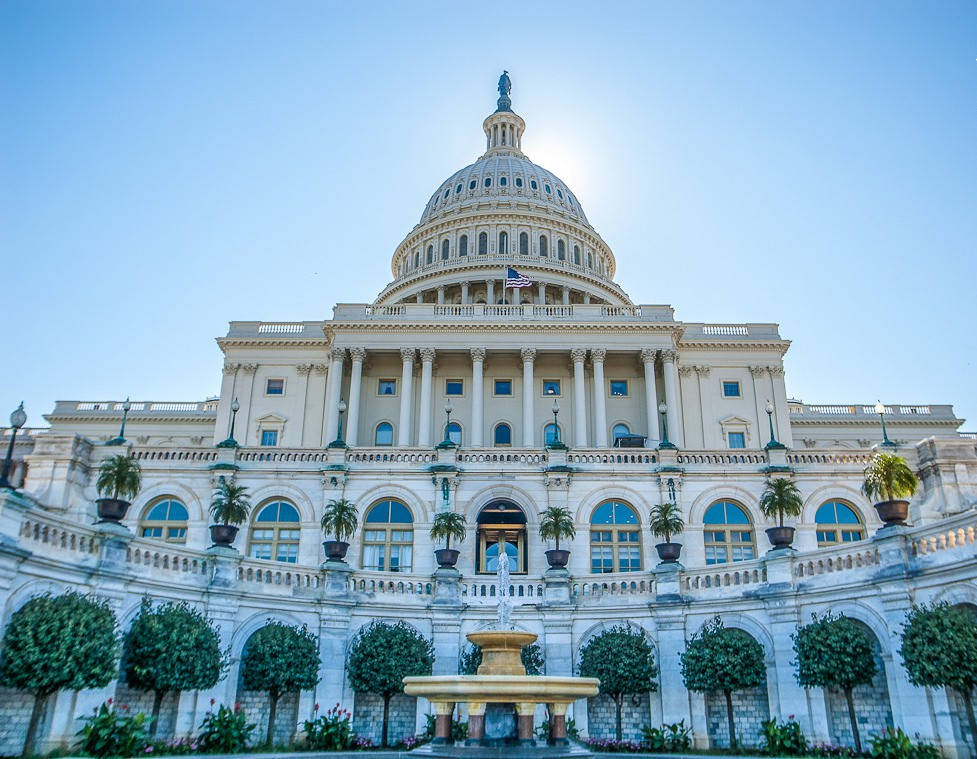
pixel 119 479
pixel 666 520
pixel 447 525
pixel 781 497
pixel 556 523
pixel 889 478
pixel 229 509
pixel 339 519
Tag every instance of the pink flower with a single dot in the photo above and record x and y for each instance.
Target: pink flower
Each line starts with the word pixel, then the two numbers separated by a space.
pixel 109 702
pixel 124 707
pixel 316 707
pixel 213 701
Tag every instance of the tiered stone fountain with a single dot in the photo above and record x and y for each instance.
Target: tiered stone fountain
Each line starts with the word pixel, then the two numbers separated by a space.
pixel 502 684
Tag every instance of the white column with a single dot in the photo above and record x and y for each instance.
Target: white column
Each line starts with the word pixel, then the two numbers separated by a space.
pixel 441 295
pixel 781 412
pixel 600 411
pixel 424 422
pixel 578 356
pixel 566 295
pixel 651 397
pixel 528 396
pixel 673 399
pixel 464 292
pixel 335 391
pixel 420 298
pixel 709 427
pixel 490 292
pixel 541 288
pixel 478 413
pixel 406 396
pixel 355 379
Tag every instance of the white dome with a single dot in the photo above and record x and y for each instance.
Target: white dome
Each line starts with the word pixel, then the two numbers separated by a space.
pixel 503 176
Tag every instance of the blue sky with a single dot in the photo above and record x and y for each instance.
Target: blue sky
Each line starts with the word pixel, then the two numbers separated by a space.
pixel 166 167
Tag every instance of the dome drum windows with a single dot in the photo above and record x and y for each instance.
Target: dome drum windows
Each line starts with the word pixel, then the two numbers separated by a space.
pixel 543 246
pixel 561 250
pixel 430 254
pixel 615 539
pixel 463 245
pixel 483 243
pixel 728 533
pixel 388 537
pixel 165 519
pixel 275 533
pixel 523 244
pixel 503 243
pixel 576 255
pixel 838 522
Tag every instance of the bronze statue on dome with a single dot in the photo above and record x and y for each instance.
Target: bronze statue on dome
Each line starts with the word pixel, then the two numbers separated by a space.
pixel 505 87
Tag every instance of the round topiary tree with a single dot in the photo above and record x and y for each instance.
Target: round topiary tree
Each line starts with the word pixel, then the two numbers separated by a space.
pixel 531 657
pixel 280 659
pixel 170 649
pixel 718 658
pixel 52 643
pixel 834 651
pixel 623 660
pixel 381 656
pixel 939 650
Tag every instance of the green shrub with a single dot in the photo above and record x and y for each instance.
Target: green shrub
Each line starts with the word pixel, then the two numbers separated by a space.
pixel 783 738
pixel 674 737
pixel 330 731
pixel 112 731
pixel 226 731
pixel 893 743
pixel 459 729
pixel 543 731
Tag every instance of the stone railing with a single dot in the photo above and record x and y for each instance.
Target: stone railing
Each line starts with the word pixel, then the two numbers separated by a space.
pixel 391 584
pixel 136 408
pixel 618 584
pixel 955 532
pixel 503 457
pixel 390 455
pixel 580 312
pixel 164 558
pixel 895 412
pixel 829 458
pixel 597 456
pixel 836 558
pixel 723 457
pixel 155 453
pixel 739 573
pixel 522 590
pixel 49 531
pixel 282 455
pixel 278 330
pixel 277 574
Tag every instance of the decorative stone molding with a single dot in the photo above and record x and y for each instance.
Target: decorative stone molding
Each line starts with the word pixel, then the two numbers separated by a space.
pixel 648 355
pixel 757 371
pixel 776 371
pixel 249 368
pixel 231 367
pixel 685 370
pixel 428 354
pixel 528 354
pixel 669 356
pixel 408 354
pixel 337 354
pixel 357 354
pixel 478 354
pixel 578 355
pixel 320 368
pixel 304 369
pixel 703 371
pixel 597 355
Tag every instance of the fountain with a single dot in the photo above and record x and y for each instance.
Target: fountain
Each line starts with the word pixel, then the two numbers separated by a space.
pixel 501 686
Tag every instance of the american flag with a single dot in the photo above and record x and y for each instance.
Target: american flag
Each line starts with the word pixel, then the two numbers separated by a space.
pixel 515 279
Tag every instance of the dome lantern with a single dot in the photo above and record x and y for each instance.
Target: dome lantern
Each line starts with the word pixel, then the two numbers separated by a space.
pixel 504 128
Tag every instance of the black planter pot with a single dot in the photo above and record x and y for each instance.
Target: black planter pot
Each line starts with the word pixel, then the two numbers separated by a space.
pixel 112 509
pixel 780 537
pixel 335 549
pixel 558 558
pixel 223 534
pixel 668 551
pixel 893 512
pixel 446 557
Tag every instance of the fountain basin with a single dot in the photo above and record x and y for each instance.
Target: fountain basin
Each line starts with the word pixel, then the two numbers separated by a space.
pixel 501 688
pixel 501 650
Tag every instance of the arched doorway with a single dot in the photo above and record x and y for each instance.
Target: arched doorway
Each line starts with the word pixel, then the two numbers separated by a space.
pixel 501 528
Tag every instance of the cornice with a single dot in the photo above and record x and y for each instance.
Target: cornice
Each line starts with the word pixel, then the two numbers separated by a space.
pixel 84 416
pixel 277 342
pixel 917 421
pixel 400 326
pixel 738 345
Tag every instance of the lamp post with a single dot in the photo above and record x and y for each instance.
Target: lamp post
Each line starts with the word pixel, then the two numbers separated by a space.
pixel 665 443
pixel 230 442
pixel 773 444
pixel 339 442
pixel 120 439
pixel 880 410
pixel 447 442
pixel 556 443
pixel 17 420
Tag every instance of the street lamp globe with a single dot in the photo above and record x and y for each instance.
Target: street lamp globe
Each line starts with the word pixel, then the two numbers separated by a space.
pixel 770 409
pixel 342 407
pixel 662 408
pixel 19 417
pixel 556 407
pixel 879 408
pixel 235 406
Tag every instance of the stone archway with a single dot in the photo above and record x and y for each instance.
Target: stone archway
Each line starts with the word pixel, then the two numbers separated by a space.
pixel 501 522
pixel 751 707
pixel 958 710
pixel 256 705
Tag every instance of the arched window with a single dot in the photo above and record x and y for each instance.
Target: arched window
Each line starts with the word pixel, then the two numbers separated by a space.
pixel 551 434
pixel 482 243
pixel 165 519
pixel 384 434
pixel 590 261
pixel 503 434
pixel 543 250
pixel 838 522
pixel 561 250
pixel 620 430
pixel 453 432
pixel 501 524
pixel 728 533
pixel 463 245
pixel 430 254
pixel 275 532
pixel 615 538
pixel 503 242
pixel 444 250
pixel 417 258
pixel 576 254
pixel 388 537
pixel 523 244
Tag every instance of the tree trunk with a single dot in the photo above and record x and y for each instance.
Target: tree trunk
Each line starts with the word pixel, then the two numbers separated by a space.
pixel 969 703
pixel 618 704
pixel 729 718
pixel 157 705
pixel 386 720
pixel 851 716
pixel 272 709
pixel 40 699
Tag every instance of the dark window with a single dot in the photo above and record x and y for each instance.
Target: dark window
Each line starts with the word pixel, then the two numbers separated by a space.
pixel 737 440
pixel 471 185
pixel 619 388
pixel 385 434
pixel 446 193
pixel 275 387
pixel 463 246
pixel 518 181
pixel 548 190
pixel 482 243
pixel 532 184
pixel 430 253
pixel 387 387
pixel 444 250
pixel 488 181
pixel 543 247
pixel 453 387
pixel 503 387
pixel 551 387
pixel 576 254
pixel 503 434
pixel 561 250
pixel 458 188
pixel 503 181
pixel 731 389
pixel 523 243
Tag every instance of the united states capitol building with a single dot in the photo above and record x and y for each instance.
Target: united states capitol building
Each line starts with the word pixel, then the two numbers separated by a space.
pixel 451 391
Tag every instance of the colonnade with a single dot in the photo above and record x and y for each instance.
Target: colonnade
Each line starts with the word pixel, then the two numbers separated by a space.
pixel 511 296
pixel 578 357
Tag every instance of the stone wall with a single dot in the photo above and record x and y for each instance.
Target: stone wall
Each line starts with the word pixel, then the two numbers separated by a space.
pixel 256 704
pixel 15 713
pixel 368 717
pixel 961 724
pixel 602 717
pixel 142 701
pixel 750 710
pixel 872 712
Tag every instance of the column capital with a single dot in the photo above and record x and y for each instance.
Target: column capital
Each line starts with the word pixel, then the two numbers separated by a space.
pixel 758 371
pixel 357 354
pixel 703 371
pixel 648 355
pixel 231 368
pixel 478 354
pixel 249 368
pixel 407 354
pixel 669 356
pixel 686 369
pixel 304 369
pixel 528 354
pixel 598 355
pixel 338 354
pixel 776 371
pixel 578 355
pixel 320 368
pixel 428 354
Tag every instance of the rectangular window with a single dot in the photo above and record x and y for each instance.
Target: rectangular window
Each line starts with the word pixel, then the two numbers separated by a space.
pixel 737 440
pixel 731 389
pixel 269 437
pixel 387 387
pixel 551 387
pixel 454 387
pixel 619 388
pixel 275 387
pixel 503 387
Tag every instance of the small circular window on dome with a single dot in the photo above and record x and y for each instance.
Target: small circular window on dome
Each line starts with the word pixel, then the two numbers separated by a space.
pixel 488 181
pixel 518 181
pixel 471 185
pixel 446 193
pixel 503 181
pixel 458 188
pixel 532 184
pixel 560 193
pixel 548 190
